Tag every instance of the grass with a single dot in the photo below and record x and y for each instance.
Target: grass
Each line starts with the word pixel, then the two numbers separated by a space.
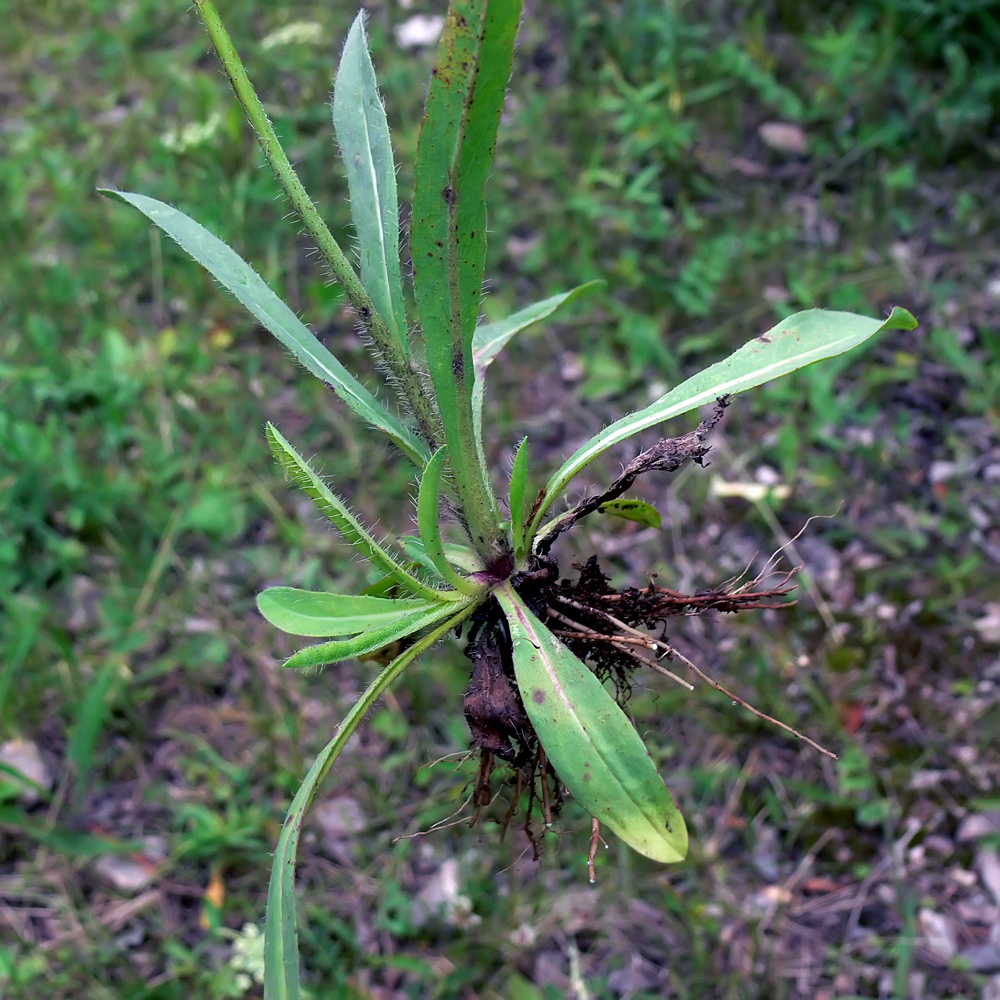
pixel 142 513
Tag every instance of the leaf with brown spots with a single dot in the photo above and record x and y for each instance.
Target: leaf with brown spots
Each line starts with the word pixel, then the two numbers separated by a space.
pixel 589 740
pixel 448 228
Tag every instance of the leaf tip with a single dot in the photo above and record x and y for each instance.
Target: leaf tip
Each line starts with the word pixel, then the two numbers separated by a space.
pixel 901 319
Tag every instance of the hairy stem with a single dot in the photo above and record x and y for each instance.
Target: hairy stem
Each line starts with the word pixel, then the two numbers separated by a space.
pixel 405 378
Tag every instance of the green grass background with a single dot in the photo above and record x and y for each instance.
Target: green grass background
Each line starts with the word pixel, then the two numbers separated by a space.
pixel 140 511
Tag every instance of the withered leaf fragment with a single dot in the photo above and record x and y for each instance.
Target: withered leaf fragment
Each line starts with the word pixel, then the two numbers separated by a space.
pixel 492 706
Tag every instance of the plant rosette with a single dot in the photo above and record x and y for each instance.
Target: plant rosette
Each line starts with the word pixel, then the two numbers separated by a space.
pixel 541 649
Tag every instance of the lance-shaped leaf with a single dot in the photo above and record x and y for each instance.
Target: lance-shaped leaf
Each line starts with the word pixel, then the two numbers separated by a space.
pixel 405 379
pixel 345 522
pixel 518 497
pixel 490 338
pixel 592 745
pixel 309 612
pixel 238 277
pixel 281 938
pixel 457 554
pixel 448 229
pixel 794 343
pixel 430 527
pixel 363 133
pixel 338 650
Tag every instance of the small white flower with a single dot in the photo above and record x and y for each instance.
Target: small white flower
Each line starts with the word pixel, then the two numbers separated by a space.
pixel 419 31
pixel 247 959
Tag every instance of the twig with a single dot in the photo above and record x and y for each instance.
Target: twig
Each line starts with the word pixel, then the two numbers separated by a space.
pixel 595 839
pixel 607 616
pixel 667 455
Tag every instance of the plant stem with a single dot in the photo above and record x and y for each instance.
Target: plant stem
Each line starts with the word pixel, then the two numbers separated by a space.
pixel 281 940
pixel 403 375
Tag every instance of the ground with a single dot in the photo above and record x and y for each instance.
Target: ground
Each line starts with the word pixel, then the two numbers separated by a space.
pixel 720 168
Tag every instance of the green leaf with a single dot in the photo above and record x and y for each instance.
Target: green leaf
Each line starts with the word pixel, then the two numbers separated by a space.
pixel 281 939
pixel 308 612
pixel 794 343
pixel 363 133
pixel 633 510
pixel 592 745
pixel 344 521
pixel 339 650
pixel 92 714
pixel 518 497
pixel 448 230
pixel 236 275
pixel 458 555
pixel 430 528
pixel 454 155
pixel 489 339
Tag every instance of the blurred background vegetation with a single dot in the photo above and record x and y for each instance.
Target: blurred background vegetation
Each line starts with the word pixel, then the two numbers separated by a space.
pixel 721 164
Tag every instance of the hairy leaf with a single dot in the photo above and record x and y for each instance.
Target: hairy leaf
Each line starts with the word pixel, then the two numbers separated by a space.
pixel 490 338
pixel 363 133
pixel 430 528
pixel 518 496
pixel 236 275
pixel 281 938
pixel 308 612
pixel 448 230
pixel 458 555
pixel 344 521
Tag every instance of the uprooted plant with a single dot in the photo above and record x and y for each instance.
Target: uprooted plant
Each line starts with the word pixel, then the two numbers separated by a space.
pixel 542 648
